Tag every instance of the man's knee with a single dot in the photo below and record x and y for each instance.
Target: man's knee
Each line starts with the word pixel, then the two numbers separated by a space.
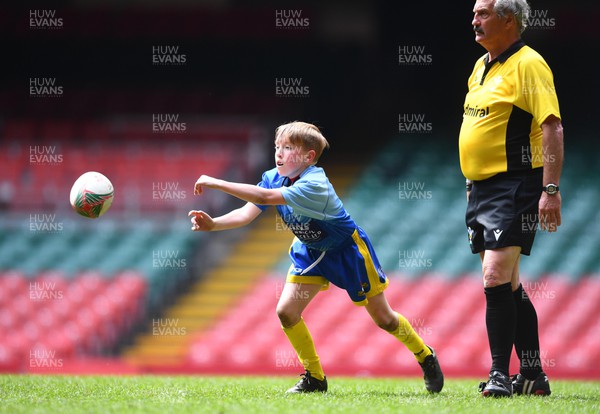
pixel 494 276
pixel 500 265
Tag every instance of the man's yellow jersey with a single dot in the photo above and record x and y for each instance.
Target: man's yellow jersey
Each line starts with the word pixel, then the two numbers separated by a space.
pixel 508 100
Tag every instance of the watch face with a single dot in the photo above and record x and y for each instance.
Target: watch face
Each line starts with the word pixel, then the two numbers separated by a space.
pixel 551 189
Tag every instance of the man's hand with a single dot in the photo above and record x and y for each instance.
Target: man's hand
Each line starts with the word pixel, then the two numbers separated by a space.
pixel 201 221
pixel 552 145
pixel 549 211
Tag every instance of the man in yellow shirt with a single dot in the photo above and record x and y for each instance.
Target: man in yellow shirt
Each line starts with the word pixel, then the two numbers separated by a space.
pixel 511 153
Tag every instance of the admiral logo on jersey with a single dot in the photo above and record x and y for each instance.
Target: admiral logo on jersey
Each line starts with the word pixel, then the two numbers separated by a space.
pixel 476 111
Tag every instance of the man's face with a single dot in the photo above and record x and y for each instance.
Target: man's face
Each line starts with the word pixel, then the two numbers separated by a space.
pixel 490 29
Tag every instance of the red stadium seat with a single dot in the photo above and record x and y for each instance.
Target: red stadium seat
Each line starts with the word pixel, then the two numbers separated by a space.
pixel 13 282
pixel 204 354
pixel 62 310
pixel 46 320
pixel 91 281
pixel 9 360
pixel 9 319
pixel 63 344
pixel 75 335
pixel 19 343
pixel 88 328
pixel 76 295
pixel 131 282
pixel 48 286
pixel 31 331
pixel 24 307
pixel 5 297
pixel 107 315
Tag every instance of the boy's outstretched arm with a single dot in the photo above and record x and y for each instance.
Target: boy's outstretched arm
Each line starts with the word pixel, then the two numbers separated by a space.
pixel 247 192
pixel 239 217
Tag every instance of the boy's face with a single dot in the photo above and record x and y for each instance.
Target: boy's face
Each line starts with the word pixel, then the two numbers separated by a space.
pixel 291 159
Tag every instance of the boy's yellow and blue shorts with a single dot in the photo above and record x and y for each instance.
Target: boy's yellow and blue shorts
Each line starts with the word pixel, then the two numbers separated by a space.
pixel 353 267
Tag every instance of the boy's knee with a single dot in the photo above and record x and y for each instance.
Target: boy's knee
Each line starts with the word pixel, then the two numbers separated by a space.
pixel 388 323
pixel 287 317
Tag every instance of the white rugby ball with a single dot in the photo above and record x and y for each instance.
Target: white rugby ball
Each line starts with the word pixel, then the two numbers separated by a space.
pixel 92 194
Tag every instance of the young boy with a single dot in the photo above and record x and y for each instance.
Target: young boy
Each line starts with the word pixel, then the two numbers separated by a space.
pixel 329 247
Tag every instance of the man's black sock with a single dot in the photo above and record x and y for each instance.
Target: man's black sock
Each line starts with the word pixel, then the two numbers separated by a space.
pixel 527 342
pixel 501 320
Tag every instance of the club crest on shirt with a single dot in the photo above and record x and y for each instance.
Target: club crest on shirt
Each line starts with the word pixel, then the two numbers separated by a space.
pixel 307 230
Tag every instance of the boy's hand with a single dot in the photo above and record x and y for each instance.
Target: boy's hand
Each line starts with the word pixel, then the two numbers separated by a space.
pixel 201 221
pixel 203 181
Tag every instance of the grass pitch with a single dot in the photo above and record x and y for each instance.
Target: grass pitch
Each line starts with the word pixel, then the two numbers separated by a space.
pixel 200 394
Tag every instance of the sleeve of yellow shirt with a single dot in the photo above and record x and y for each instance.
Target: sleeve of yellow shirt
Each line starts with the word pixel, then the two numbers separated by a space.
pixel 538 93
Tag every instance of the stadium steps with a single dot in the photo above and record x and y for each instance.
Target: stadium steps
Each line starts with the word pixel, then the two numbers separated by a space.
pixel 221 288
pixel 211 296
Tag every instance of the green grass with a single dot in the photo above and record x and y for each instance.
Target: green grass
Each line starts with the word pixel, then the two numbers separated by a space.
pixel 200 394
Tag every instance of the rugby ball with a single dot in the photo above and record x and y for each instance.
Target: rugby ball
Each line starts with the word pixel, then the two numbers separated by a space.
pixel 92 194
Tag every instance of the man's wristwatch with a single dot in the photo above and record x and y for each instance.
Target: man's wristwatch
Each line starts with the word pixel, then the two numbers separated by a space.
pixel 550 189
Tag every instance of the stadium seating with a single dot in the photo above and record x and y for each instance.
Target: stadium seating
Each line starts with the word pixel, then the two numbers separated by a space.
pixel 112 250
pixel 153 177
pixel 94 264
pixel 50 318
pixel 421 243
pixel 447 313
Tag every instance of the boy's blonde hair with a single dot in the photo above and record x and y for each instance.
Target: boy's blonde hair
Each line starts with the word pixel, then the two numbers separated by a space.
pixel 304 135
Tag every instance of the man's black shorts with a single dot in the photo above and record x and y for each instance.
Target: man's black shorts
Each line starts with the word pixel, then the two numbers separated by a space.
pixel 503 211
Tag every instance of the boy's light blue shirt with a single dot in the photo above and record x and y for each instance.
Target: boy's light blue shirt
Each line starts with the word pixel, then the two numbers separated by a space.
pixel 313 211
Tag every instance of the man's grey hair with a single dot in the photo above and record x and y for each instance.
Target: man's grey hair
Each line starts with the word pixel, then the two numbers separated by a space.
pixel 518 8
